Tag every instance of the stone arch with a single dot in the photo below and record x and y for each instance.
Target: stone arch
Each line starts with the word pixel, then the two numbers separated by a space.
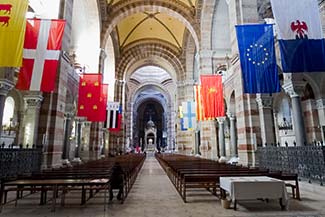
pixel 175 9
pixel 136 54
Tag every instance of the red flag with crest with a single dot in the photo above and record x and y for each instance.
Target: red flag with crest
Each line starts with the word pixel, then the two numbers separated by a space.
pixel 92 100
pixel 43 40
pixel 212 96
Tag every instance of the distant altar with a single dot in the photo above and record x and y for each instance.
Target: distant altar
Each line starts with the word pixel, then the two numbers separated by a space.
pixel 150 136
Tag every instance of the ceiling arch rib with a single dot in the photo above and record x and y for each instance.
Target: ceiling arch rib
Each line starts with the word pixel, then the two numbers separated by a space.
pixel 125 9
pixel 134 55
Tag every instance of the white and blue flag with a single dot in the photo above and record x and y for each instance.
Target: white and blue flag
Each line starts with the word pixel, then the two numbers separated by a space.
pixel 189 115
pixel 300 35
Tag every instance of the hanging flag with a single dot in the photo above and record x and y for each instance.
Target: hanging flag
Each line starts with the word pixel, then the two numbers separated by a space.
pixel 181 118
pixel 198 102
pixel 91 100
pixel 12 32
pixel 212 96
pixel 189 115
pixel 43 40
pixel 103 103
pixel 300 35
pixel 114 116
pixel 257 58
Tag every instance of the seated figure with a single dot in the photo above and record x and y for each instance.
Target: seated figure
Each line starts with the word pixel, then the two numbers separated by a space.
pixel 117 182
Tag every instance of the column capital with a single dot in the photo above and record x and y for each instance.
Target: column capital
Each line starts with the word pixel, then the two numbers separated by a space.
pixel 87 123
pixel 294 88
pixel 221 120
pixel 69 115
pixel 264 100
pixel 231 116
pixel 80 119
pixel 33 100
pixel 5 86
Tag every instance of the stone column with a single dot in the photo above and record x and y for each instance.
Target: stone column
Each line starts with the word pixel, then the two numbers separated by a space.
pixel 66 143
pixel 264 102
pixel 33 100
pixel 5 86
pixel 233 135
pixel 222 144
pixel 294 89
pixel 320 104
pixel 79 121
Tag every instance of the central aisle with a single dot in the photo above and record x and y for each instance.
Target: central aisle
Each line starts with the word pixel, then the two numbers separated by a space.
pixel 153 195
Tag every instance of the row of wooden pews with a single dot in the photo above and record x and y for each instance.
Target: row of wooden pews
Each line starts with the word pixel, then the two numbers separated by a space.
pixel 87 179
pixel 187 172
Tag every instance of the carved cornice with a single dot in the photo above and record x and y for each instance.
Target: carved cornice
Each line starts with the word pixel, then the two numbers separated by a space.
pixel 33 101
pixel 264 101
pixel 221 120
pixel 294 88
pixel 320 104
pixel 5 86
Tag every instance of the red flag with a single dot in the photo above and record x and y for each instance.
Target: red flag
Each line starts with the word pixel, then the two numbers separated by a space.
pixel 103 103
pixel 43 40
pixel 91 98
pixel 212 96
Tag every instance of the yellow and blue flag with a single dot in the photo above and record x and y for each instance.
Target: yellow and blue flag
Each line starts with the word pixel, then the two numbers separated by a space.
pixel 12 32
pixel 257 58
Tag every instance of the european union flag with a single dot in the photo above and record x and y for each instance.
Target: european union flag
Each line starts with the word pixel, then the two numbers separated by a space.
pixel 257 58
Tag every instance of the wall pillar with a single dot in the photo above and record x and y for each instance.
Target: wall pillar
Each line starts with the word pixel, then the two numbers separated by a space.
pixel 264 102
pixel 66 141
pixel 33 100
pixel 294 89
pixel 320 105
pixel 233 136
pixel 221 134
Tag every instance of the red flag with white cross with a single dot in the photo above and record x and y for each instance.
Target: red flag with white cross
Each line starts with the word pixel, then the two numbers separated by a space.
pixel 43 40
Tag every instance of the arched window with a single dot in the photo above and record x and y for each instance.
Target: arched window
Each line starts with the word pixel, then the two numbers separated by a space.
pixel 8 113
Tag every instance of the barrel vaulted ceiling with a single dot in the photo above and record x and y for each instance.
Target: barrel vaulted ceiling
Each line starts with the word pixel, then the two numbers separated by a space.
pixel 152 25
pixel 190 3
pixel 149 25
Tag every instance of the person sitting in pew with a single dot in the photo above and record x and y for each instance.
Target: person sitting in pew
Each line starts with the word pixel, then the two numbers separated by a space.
pixel 117 181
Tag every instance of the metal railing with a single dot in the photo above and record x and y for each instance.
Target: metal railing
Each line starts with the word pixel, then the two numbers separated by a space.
pixel 307 161
pixel 18 161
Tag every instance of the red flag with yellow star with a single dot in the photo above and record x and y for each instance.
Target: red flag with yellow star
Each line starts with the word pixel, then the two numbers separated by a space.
pixel 212 96
pixel 90 101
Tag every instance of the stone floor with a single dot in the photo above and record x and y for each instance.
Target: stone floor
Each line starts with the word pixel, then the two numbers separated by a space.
pixel 154 195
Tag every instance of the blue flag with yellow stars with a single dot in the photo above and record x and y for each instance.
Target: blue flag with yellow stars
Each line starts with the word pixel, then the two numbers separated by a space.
pixel 257 58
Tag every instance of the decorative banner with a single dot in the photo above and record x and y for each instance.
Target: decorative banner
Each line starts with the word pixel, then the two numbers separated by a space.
pixel 42 47
pixel 114 116
pixel 91 101
pixel 300 33
pixel 12 32
pixel 189 115
pixel 212 96
pixel 257 58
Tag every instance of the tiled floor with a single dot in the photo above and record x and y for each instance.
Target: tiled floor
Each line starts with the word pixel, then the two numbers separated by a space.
pixel 153 195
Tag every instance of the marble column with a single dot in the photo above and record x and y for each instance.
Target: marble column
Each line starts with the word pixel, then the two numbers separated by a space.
pixel 67 133
pixel 294 89
pixel 5 86
pixel 222 144
pixel 264 102
pixel 233 135
pixel 33 100
pixel 320 104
